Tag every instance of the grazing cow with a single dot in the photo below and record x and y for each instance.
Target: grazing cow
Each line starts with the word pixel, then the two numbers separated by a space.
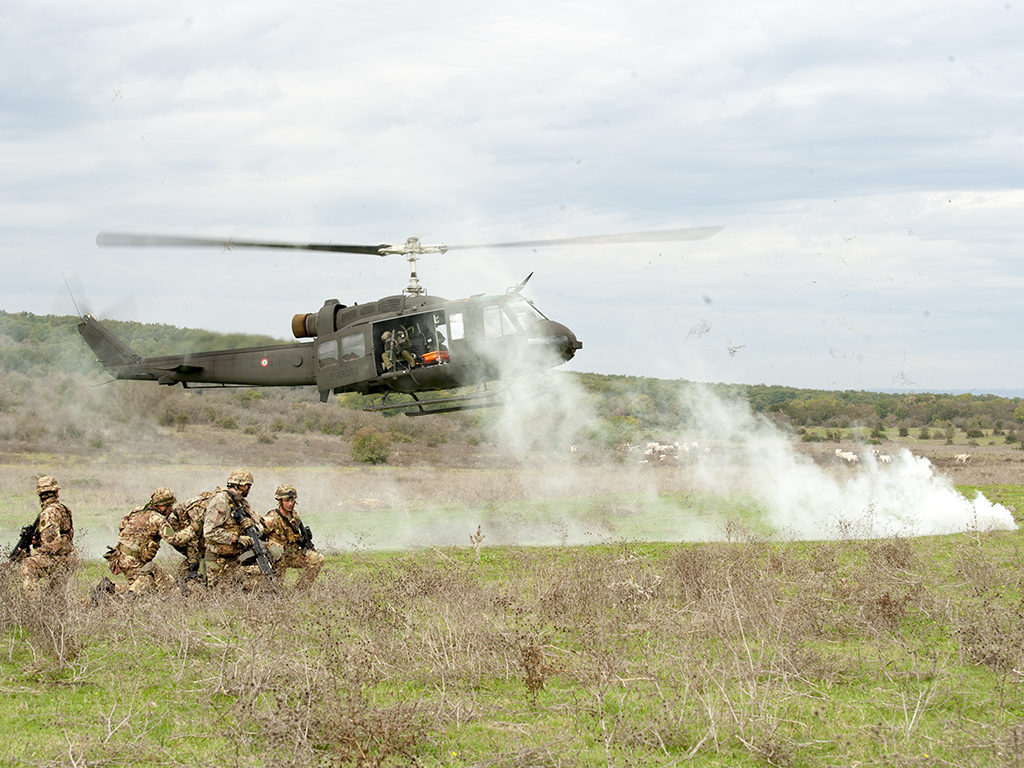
pixel 848 456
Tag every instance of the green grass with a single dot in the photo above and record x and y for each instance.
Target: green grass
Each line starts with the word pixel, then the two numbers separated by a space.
pixel 887 652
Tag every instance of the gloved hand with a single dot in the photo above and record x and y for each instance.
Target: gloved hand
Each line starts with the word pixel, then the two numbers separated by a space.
pixel 244 542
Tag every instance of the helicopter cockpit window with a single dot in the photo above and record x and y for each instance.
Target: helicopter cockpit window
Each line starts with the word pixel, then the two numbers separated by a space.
pixel 523 313
pixel 497 323
pixel 327 353
pixel 353 347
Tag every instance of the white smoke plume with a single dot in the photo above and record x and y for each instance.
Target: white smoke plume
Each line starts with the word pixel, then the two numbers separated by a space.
pixel 803 500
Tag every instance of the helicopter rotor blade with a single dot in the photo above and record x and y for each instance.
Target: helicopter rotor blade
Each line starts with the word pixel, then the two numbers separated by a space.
pixel 119 239
pixel 651 236
pixel 411 247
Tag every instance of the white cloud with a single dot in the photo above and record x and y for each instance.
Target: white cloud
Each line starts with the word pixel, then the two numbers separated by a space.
pixel 865 160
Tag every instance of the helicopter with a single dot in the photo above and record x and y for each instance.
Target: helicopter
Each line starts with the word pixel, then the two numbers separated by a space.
pixel 408 343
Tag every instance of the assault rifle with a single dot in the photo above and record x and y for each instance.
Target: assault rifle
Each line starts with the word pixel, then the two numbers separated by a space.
pixel 21 549
pixel 305 538
pixel 258 548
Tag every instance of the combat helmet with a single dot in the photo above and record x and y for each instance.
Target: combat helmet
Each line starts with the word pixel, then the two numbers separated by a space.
pixel 47 484
pixel 240 477
pixel 286 492
pixel 162 496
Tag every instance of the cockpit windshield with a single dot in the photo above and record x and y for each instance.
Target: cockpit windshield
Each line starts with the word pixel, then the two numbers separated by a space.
pixel 523 313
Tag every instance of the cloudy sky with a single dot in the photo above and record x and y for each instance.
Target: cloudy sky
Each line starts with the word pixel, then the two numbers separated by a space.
pixel 864 159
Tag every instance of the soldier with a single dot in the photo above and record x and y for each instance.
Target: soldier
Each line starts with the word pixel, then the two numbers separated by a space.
pixel 225 536
pixel 187 522
pixel 396 344
pixel 284 530
pixel 139 535
pixel 51 554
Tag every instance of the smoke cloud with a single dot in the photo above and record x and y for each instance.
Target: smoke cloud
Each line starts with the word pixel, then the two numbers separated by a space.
pixel 725 458
pixel 801 499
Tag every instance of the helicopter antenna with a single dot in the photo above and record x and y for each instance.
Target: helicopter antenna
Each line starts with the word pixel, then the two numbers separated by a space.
pixel 72 295
pixel 412 249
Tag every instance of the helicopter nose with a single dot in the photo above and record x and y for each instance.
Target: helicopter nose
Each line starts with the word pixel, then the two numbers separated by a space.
pixel 564 341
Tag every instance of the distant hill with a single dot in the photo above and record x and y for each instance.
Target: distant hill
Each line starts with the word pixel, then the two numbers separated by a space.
pixel 651 400
pixel 1007 393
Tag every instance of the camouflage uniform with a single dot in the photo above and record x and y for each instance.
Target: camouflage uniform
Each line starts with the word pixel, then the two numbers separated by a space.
pixel 187 522
pixel 138 540
pixel 284 531
pixel 225 537
pixel 396 344
pixel 52 554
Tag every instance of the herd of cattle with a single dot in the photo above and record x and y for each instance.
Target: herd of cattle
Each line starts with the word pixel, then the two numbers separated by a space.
pixel 654 452
pixel 852 458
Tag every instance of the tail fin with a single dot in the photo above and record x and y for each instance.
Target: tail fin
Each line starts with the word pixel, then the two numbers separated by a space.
pixel 110 350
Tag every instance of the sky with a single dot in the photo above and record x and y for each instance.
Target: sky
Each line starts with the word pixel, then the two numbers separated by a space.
pixel 865 160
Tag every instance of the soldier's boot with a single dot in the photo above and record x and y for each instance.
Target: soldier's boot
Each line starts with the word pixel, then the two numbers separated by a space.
pixel 103 591
pixel 190 581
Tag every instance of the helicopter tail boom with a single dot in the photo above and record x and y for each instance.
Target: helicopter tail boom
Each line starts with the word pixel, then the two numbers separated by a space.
pixel 274 365
pixel 113 353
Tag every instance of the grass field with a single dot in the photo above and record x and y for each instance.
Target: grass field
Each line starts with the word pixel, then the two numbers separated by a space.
pixel 735 652
pixel 611 614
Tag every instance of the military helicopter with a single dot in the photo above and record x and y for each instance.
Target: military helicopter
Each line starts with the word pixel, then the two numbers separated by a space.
pixel 408 343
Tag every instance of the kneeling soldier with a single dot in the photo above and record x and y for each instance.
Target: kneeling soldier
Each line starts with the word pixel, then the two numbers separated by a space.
pixel 138 541
pixel 228 517
pixel 284 530
pixel 187 521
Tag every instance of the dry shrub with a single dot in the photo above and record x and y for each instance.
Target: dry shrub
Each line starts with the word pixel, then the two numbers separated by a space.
pixel 991 632
pixel 728 587
pixel 896 553
pixel 47 620
pixel 528 646
pixel 301 674
pixel 360 733
pixel 989 625
pixel 570 588
pixel 302 723
pixel 1010 748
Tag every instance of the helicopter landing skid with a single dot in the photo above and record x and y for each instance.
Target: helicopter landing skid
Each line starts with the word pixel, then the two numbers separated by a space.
pixel 472 401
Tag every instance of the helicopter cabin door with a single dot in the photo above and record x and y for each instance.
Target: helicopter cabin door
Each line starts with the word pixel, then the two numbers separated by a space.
pixel 411 341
